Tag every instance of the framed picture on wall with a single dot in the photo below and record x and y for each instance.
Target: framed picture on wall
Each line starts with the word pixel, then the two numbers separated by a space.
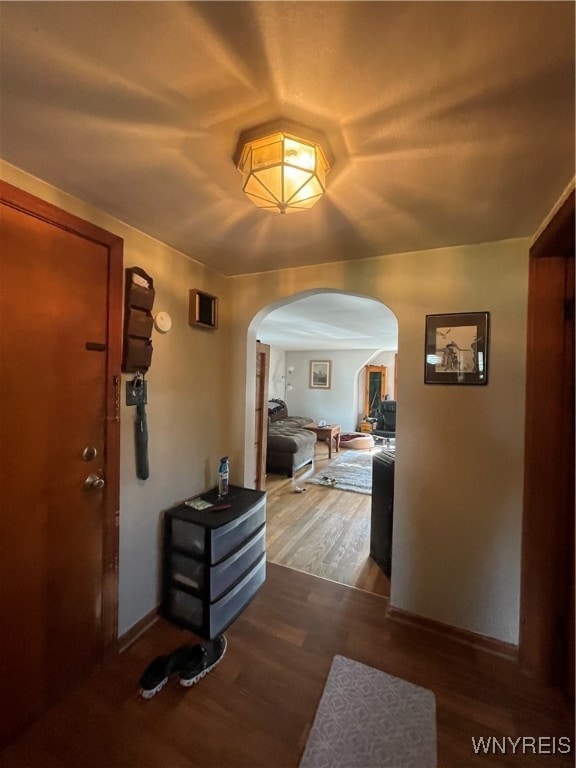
pixel 456 348
pixel 320 374
pixel 202 309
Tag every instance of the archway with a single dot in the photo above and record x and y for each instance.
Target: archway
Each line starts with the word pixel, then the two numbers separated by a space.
pixel 325 344
pixel 372 331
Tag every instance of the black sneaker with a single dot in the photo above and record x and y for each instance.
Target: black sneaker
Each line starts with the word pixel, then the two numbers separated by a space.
pixel 158 671
pixel 201 659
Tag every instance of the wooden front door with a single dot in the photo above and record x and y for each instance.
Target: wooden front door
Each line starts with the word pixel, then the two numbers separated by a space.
pixel 60 299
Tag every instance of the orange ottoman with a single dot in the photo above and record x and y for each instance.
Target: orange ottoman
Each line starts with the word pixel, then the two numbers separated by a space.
pixel 359 441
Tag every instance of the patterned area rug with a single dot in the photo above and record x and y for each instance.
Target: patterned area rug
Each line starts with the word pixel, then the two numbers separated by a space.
pixel 349 471
pixel 367 718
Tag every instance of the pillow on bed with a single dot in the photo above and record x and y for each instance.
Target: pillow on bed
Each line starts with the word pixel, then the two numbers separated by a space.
pixel 277 409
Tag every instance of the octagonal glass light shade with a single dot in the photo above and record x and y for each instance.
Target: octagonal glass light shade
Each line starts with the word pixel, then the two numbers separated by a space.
pixel 282 172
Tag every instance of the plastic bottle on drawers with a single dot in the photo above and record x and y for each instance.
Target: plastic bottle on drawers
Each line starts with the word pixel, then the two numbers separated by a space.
pixel 223 475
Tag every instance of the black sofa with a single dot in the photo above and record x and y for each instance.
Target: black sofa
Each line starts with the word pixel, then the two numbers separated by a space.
pixel 289 447
pixel 386 415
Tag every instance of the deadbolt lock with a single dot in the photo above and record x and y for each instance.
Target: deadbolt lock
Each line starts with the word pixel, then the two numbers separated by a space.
pixel 89 453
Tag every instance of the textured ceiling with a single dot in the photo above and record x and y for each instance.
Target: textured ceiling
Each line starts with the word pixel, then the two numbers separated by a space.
pixel 450 123
pixel 331 321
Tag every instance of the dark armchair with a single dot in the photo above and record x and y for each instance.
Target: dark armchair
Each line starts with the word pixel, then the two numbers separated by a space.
pixel 386 415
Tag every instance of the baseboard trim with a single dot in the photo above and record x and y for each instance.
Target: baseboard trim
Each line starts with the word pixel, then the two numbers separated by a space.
pixel 130 637
pixel 464 636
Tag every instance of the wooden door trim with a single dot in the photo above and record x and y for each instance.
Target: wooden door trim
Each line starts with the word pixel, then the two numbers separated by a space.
pixel 261 427
pixel 548 467
pixel 40 209
pixel 555 237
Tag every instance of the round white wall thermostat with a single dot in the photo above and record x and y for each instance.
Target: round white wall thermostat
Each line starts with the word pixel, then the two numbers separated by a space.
pixel 162 322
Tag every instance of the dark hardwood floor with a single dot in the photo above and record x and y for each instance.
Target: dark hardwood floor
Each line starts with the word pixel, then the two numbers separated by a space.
pixel 324 531
pixel 256 708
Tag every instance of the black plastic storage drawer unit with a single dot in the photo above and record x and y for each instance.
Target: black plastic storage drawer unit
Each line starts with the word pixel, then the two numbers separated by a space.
pixel 214 561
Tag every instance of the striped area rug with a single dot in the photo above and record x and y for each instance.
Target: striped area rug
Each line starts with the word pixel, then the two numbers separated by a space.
pixel 349 471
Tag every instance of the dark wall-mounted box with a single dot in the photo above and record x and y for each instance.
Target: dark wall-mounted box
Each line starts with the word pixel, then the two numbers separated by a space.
pixel 138 321
pixel 138 355
pixel 203 309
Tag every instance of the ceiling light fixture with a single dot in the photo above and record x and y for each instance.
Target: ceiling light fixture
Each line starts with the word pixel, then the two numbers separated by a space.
pixel 284 166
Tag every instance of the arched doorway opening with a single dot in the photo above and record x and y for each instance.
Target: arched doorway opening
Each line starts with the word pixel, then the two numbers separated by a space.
pixel 324 531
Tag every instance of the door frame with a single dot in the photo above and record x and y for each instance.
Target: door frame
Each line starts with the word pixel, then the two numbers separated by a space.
pixel 33 206
pixel 548 516
pixel 261 412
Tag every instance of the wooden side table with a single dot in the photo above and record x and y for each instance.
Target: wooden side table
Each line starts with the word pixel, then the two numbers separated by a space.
pixel 327 434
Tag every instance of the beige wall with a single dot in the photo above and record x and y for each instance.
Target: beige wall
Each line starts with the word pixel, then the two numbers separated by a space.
pixel 458 502
pixel 341 403
pixel 459 469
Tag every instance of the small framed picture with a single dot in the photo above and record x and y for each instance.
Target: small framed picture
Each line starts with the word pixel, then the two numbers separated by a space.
pixel 320 374
pixel 202 309
pixel 456 349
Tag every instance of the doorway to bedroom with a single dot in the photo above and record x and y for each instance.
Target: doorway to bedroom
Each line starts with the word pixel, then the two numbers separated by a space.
pixel 321 347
